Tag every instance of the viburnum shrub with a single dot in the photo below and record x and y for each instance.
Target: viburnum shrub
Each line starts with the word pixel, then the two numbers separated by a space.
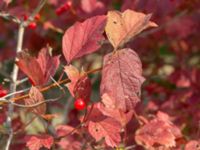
pixel 100 75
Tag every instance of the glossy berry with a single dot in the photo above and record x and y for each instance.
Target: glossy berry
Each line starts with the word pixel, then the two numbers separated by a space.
pixel 79 104
pixel 32 25
pixel 3 92
pixel 63 8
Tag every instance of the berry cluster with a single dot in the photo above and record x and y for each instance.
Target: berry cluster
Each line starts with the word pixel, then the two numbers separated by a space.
pixel 33 24
pixel 65 7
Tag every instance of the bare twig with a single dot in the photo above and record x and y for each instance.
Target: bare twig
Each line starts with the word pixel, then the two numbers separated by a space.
pixel 13 85
pixel 34 13
pixel 9 17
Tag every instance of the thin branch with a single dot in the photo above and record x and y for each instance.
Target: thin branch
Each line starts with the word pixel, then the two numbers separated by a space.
pixel 64 81
pixel 34 13
pixel 13 86
pixel 9 17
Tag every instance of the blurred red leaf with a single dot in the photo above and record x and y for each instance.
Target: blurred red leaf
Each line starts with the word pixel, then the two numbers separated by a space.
pixel 83 38
pixel 38 69
pixel 192 145
pixel 36 97
pixel 122 78
pixel 63 130
pixel 70 143
pixel 35 142
pixel 158 132
pixel 92 7
pixel 80 85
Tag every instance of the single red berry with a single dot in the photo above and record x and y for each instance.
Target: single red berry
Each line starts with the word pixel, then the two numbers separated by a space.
pixel 79 104
pixel 25 17
pixel 37 17
pixel 32 25
pixel 3 92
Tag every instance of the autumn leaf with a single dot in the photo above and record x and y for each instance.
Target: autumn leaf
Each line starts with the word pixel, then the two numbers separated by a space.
pixel 108 129
pixel 35 142
pixel 92 7
pixel 192 145
pixel 122 78
pixel 121 27
pixel 35 97
pixel 63 130
pixel 70 143
pixel 104 127
pixel 83 38
pixel 108 109
pixel 80 85
pixel 38 69
pixel 160 131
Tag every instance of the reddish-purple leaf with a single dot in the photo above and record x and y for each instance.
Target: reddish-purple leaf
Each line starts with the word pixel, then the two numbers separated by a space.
pixel 192 145
pixel 101 126
pixel 70 143
pixel 83 38
pixel 62 130
pixel 36 142
pixel 35 98
pixel 122 78
pixel 92 7
pixel 108 109
pixel 158 132
pixel 38 69
pixel 107 128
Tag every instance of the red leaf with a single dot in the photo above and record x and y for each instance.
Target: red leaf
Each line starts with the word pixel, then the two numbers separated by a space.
pixel 101 126
pixel 192 145
pixel 83 38
pixel 80 85
pixel 108 129
pixel 36 142
pixel 108 110
pixel 122 78
pixel 158 132
pixel 36 97
pixel 62 130
pixel 70 143
pixel 92 7
pixel 38 69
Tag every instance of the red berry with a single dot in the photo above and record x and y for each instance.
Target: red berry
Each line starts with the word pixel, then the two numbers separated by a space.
pixel 32 25
pixel 3 92
pixel 79 104
pixel 37 17
pixel 25 17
